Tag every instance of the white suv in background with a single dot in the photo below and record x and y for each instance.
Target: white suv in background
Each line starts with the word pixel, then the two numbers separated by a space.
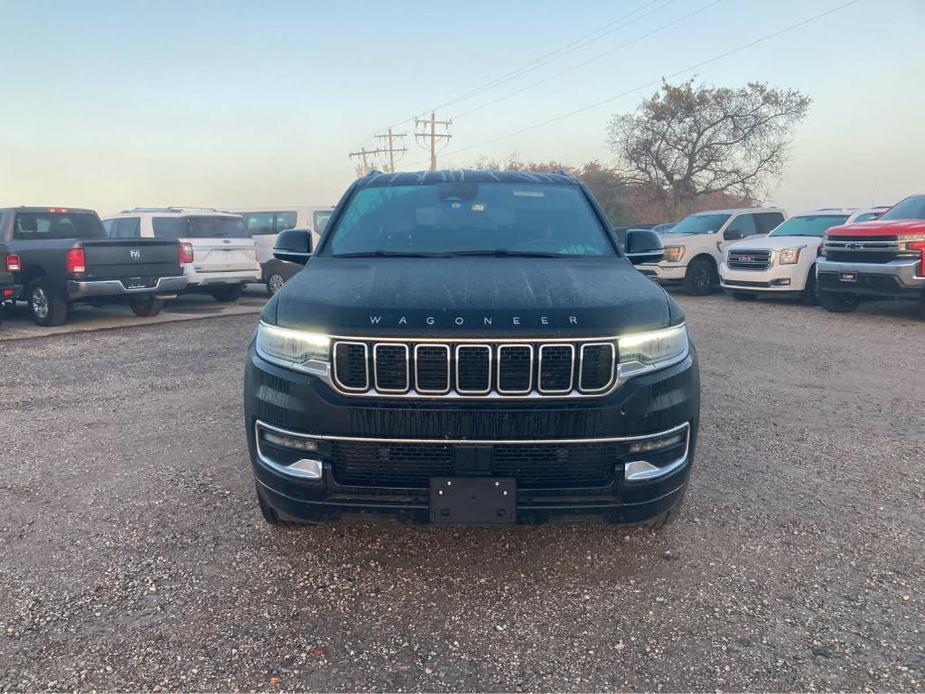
pixel 218 252
pixel 264 223
pixel 784 261
pixel 694 246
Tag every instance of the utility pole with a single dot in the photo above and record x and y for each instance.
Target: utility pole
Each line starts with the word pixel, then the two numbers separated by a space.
pixel 429 132
pixel 364 168
pixel 391 150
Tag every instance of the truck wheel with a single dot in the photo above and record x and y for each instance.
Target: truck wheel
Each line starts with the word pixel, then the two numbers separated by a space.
pixel 667 518
pixel 744 296
pixel 275 282
pixel 269 513
pixel 701 277
pixel 228 293
pixel 838 303
pixel 146 305
pixel 47 306
pixel 809 293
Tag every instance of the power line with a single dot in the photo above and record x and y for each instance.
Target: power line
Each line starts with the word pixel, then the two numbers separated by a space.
pixel 690 68
pixel 505 97
pixel 363 155
pixel 565 49
pixel 430 133
pixel 390 149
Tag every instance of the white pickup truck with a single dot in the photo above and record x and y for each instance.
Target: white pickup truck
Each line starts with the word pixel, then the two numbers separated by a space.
pixel 784 262
pixel 694 246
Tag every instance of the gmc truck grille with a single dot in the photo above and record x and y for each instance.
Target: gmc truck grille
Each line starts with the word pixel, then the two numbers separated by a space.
pixel 868 249
pixel 744 259
pixel 534 466
pixel 472 370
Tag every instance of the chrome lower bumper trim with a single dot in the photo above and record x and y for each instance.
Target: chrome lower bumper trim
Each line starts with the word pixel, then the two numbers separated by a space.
pixel 77 289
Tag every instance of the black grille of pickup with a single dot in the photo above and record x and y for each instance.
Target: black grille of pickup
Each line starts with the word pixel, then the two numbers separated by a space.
pixel 534 466
pixel 866 249
pixel 496 369
pixel 744 259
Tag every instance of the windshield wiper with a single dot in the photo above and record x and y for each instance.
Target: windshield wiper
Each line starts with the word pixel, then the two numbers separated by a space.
pixel 391 254
pixel 503 252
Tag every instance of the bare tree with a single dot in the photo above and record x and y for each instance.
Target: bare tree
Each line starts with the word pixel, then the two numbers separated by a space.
pixel 687 143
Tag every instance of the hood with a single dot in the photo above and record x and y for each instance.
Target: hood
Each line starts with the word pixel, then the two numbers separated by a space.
pixel 876 227
pixel 471 297
pixel 774 243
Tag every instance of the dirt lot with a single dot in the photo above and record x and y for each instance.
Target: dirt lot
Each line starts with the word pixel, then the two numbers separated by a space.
pixel 132 554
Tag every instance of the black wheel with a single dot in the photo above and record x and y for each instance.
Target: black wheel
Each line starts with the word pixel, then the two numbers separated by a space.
pixel 837 302
pixel 269 513
pixel 146 305
pixel 809 292
pixel 665 519
pixel 744 296
pixel 275 282
pixel 701 277
pixel 47 306
pixel 228 292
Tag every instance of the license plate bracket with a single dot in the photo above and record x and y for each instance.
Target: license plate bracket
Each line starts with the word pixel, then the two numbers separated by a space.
pixel 473 500
pixel 135 283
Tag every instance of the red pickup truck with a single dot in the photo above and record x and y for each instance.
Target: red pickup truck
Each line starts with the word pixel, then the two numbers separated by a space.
pixel 884 258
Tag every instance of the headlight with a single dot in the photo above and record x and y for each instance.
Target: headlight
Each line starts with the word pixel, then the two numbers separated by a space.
pixel 294 349
pixel 651 351
pixel 790 256
pixel 673 254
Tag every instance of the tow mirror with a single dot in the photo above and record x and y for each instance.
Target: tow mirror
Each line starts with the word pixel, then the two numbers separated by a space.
pixel 643 246
pixel 294 246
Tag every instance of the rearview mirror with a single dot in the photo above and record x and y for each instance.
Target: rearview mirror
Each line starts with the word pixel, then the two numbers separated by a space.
pixel 294 246
pixel 732 235
pixel 643 246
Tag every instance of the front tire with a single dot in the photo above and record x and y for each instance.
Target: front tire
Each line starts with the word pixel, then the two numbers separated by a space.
pixel 228 293
pixel 665 519
pixel 701 277
pixel 810 297
pixel 837 302
pixel 146 306
pixel 46 306
pixel 269 513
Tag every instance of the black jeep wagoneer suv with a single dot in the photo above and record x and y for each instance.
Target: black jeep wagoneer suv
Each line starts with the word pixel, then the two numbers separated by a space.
pixel 470 347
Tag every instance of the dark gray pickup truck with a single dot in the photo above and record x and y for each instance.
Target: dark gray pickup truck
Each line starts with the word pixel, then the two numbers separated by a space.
pixel 65 256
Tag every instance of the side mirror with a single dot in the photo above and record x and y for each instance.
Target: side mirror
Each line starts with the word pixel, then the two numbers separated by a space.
pixel 732 235
pixel 294 246
pixel 643 246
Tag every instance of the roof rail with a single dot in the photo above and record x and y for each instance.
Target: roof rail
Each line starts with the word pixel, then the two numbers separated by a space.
pixel 170 209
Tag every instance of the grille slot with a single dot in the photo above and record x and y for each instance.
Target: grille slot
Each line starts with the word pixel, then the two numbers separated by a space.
pixel 362 464
pixel 432 368
pixel 515 369
pixel 351 365
pixel 556 367
pixel 391 364
pixel 473 369
pixel 598 362
pixel 744 259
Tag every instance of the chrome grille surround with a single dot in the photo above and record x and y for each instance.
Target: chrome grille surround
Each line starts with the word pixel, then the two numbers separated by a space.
pixel 749 259
pixel 579 384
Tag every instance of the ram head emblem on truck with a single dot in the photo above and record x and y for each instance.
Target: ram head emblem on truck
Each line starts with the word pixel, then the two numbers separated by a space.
pixel 134 254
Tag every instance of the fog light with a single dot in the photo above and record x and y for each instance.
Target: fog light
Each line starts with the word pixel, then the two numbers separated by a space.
pixel 305 468
pixel 290 441
pixel 655 444
pixel 640 470
pixel 785 282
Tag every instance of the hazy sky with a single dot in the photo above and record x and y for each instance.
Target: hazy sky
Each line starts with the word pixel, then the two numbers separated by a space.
pixel 222 103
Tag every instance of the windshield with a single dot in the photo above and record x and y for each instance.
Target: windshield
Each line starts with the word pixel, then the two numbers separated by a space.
pixel 810 225
pixel 57 225
pixel 699 224
pixel 199 227
pixel 469 218
pixel 910 208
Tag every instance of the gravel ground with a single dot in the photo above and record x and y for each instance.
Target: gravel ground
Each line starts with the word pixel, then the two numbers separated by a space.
pixel 132 554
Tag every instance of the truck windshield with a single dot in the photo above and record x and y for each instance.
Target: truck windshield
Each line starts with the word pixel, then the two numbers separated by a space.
pixel 910 208
pixel 462 218
pixel 58 225
pixel 811 225
pixel 199 227
pixel 699 224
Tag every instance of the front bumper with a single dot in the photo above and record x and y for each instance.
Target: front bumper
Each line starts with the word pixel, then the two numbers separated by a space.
pixel 897 278
pixel 85 289
pixel 375 457
pixel 777 278
pixel 664 274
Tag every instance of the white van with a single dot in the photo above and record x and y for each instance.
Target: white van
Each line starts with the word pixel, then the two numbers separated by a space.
pixel 264 223
pixel 220 256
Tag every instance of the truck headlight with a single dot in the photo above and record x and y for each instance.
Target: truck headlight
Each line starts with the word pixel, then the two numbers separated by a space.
pixel 293 349
pixel 790 256
pixel 652 351
pixel 673 254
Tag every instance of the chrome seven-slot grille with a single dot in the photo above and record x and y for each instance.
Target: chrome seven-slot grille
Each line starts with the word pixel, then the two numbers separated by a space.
pixel 496 369
pixel 744 259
